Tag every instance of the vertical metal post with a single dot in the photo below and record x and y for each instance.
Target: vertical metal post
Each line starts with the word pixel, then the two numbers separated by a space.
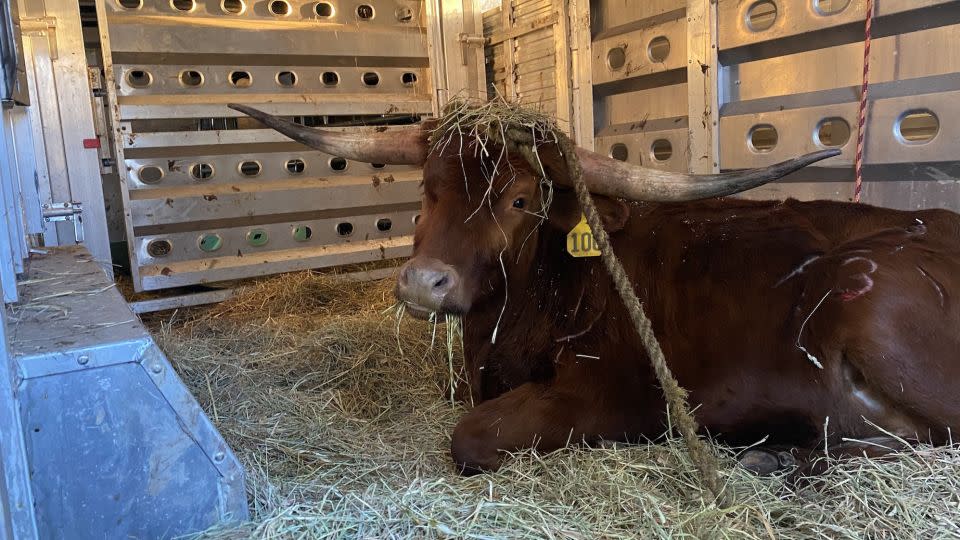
pixel 702 86
pixel 580 38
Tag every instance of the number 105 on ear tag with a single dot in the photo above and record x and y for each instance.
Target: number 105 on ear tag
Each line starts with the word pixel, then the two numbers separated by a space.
pixel 580 240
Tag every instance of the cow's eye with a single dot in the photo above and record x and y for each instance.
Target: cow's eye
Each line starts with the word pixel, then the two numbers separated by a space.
pixel 519 203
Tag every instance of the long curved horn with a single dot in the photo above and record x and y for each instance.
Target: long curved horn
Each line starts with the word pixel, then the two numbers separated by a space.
pixel 394 147
pixel 608 176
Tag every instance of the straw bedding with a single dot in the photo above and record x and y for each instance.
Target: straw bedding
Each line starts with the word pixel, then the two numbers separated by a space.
pixel 344 436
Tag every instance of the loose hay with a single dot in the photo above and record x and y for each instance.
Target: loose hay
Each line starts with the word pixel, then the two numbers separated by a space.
pixel 344 437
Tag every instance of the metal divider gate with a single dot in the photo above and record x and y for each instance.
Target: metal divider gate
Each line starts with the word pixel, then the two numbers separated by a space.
pixel 704 85
pixel 208 195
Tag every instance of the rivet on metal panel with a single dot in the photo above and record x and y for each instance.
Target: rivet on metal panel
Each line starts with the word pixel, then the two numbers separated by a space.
pixel 218 457
pixel 83 359
pixel 156 368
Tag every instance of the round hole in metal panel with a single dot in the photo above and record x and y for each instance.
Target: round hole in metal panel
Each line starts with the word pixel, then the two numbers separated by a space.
pixel 159 248
pixel 201 171
pixel 330 78
pixel 416 219
pixel 830 7
pixel 917 127
pixel 761 15
pixel 832 132
pixel 377 165
pixel 210 242
pixel 384 224
pixel 287 78
pixel 258 237
pixel 659 49
pixel 191 77
pixel 345 228
pixel 151 174
pixel 131 4
pixel 324 9
pixel 233 7
pixel 139 78
pixel 280 7
pixel 619 152
pixel 338 164
pixel 240 79
pixel 404 14
pixel 661 149
pixel 616 58
pixel 250 168
pixel 183 5
pixel 295 166
pixel 302 233
pixel 409 78
pixel 365 12
pixel 371 78
pixel 762 138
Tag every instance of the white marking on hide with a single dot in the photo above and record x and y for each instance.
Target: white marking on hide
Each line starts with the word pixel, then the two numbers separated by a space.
pixel 811 357
pixel 796 271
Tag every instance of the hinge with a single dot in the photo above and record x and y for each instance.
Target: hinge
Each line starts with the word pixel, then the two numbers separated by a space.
pixel 68 211
pixel 469 40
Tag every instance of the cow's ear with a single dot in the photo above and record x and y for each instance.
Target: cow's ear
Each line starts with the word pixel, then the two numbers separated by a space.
pixel 564 212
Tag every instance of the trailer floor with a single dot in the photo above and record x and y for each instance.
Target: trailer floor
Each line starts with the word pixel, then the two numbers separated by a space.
pixel 339 415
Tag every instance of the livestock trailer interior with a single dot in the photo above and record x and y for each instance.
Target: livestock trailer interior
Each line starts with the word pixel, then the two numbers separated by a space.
pixel 199 328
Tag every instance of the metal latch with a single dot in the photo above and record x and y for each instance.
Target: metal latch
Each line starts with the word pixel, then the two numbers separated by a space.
pixel 469 40
pixel 68 211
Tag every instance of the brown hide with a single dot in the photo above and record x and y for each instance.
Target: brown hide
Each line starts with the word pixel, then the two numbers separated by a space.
pixel 745 298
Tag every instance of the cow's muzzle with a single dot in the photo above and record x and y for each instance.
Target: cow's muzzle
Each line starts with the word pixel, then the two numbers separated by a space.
pixel 427 286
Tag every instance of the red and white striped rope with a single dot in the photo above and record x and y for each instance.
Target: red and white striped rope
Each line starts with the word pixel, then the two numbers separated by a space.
pixel 862 121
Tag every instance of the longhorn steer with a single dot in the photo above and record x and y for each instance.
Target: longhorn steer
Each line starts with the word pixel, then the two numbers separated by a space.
pixel 747 299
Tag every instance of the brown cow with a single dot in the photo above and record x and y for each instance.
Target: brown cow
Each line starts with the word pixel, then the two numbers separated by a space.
pixel 783 319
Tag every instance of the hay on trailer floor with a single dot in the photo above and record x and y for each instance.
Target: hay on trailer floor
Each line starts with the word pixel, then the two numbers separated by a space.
pixel 343 436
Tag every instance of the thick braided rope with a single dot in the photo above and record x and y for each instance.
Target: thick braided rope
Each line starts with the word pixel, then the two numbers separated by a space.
pixel 674 394
pixel 862 121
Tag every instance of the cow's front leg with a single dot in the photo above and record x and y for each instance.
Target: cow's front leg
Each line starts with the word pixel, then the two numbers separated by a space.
pixel 530 416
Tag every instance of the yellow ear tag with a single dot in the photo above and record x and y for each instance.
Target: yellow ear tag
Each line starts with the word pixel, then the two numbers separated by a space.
pixel 580 240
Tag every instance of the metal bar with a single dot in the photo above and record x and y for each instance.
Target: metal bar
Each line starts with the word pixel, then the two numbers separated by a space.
pixel 181 301
pixel 582 69
pixel 702 85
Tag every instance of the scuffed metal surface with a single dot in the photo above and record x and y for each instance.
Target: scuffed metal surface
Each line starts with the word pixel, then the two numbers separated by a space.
pixel 117 446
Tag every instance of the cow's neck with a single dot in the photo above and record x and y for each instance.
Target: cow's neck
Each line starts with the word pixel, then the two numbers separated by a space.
pixel 550 296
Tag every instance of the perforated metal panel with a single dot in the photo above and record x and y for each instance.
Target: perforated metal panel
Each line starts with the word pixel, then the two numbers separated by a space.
pixel 794 67
pixel 746 84
pixel 209 195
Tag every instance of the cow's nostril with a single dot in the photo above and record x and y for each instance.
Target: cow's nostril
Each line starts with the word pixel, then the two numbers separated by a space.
pixel 441 282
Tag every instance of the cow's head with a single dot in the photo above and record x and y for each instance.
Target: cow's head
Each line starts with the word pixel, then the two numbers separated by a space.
pixel 484 208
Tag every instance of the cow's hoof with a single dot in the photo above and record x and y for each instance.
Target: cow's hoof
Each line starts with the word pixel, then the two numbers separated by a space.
pixel 471 454
pixel 761 462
